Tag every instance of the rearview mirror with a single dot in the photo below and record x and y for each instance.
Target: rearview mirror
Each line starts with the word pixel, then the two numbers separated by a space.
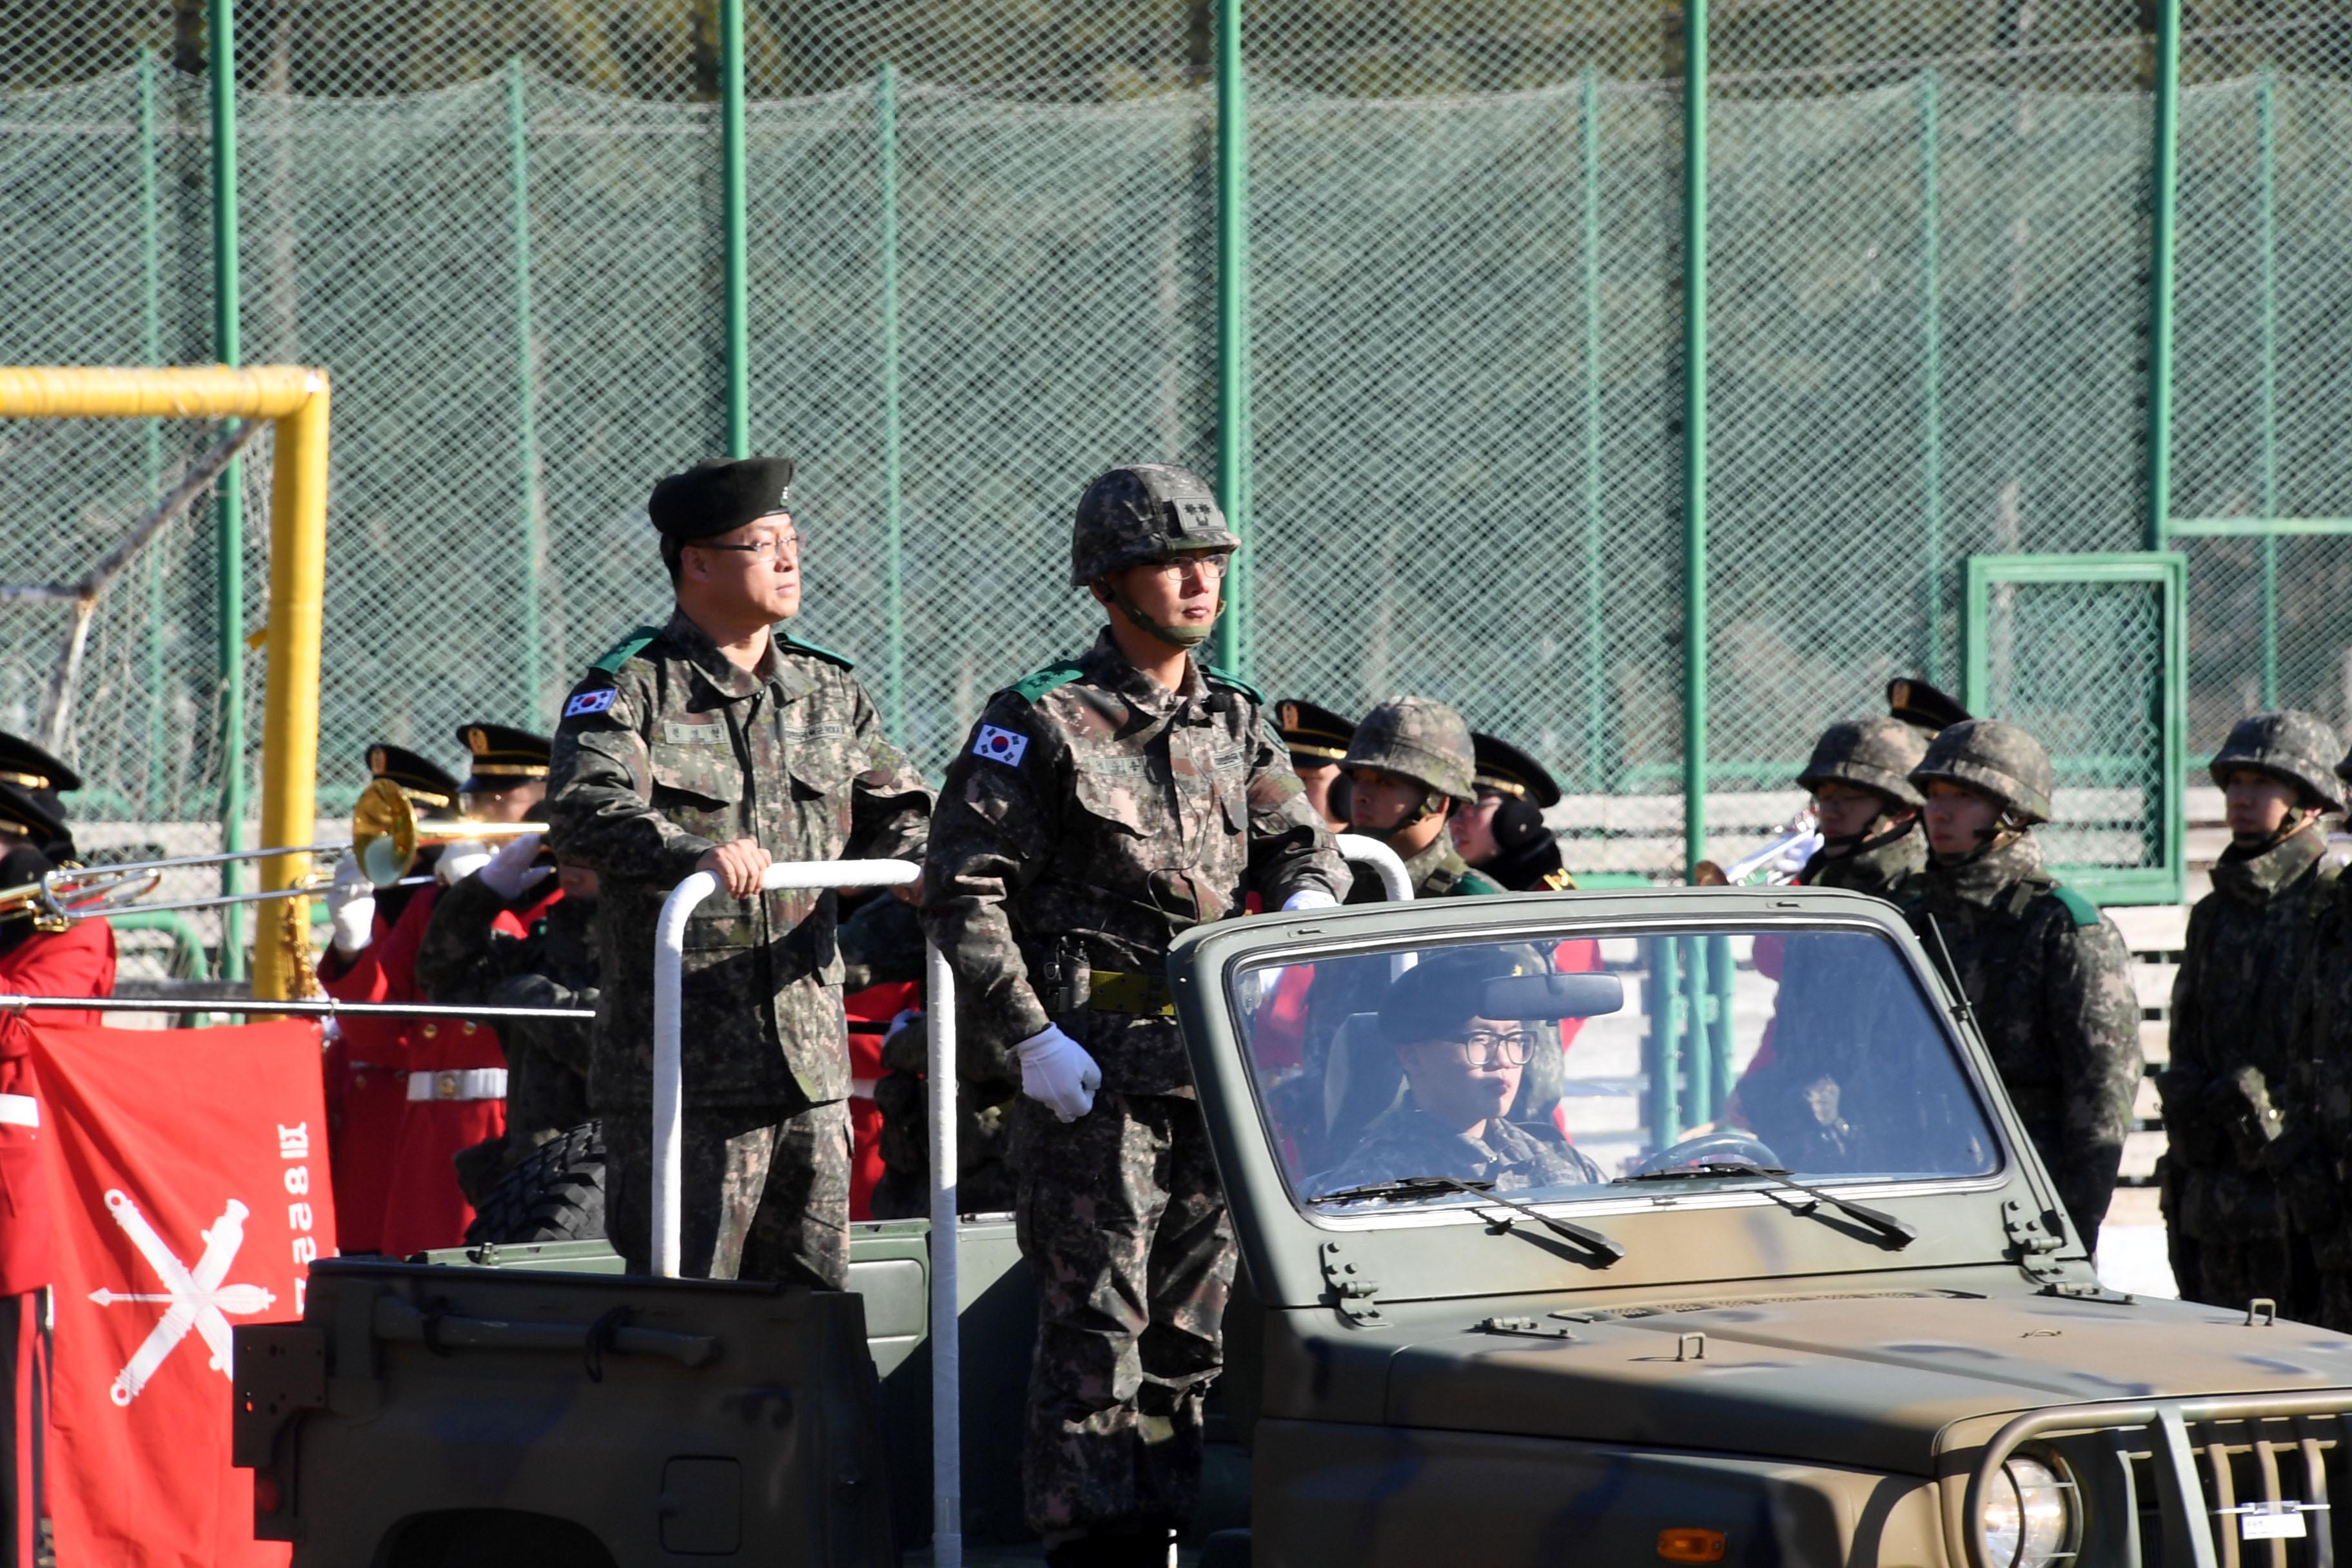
pixel 1552 996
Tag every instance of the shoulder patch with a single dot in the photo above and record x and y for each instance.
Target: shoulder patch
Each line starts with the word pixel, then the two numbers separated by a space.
pixel 1054 676
pixel 810 648
pixel 627 648
pixel 2086 913
pixel 1226 678
pixel 594 700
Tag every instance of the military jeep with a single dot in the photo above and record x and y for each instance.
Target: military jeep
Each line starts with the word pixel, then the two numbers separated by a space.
pixel 1806 1296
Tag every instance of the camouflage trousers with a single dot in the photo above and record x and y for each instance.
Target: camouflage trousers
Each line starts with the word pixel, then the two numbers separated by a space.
pixel 1124 1227
pixel 766 1193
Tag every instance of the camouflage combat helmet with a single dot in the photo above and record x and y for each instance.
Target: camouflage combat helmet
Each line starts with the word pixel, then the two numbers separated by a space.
pixel 1995 758
pixel 1420 739
pixel 1145 512
pixel 1874 753
pixel 2290 744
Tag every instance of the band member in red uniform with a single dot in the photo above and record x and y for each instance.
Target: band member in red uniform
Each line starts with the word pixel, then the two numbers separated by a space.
pixel 372 958
pixel 76 961
pixel 457 1068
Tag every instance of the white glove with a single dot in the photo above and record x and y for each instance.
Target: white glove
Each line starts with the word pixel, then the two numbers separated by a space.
pixel 459 861
pixel 351 907
pixel 511 870
pixel 1309 899
pixel 1057 1072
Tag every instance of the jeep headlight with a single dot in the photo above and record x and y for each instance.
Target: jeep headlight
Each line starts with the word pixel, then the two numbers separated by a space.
pixel 2028 1519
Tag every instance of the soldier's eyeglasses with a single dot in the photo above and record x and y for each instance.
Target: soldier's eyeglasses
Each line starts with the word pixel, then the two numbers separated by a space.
pixel 767 549
pixel 1212 568
pixel 1480 1048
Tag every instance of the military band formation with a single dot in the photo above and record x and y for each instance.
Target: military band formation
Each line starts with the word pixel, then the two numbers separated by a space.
pixel 1101 806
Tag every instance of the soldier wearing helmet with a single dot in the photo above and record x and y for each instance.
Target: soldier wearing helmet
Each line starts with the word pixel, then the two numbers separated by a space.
pixel 1868 808
pixel 1409 767
pixel 2046 973
pixel 2227 1091
pixel 1104 806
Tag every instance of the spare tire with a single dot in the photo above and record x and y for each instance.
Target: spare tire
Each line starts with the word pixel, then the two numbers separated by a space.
pixel 556 1194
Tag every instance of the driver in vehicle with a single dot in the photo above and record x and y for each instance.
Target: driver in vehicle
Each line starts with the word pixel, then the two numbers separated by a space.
pixel 1462 1074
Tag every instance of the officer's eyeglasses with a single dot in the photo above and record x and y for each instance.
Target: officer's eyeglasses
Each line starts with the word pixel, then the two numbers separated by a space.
pixel 1481 1048
pixel 767 549
pixel 1212 568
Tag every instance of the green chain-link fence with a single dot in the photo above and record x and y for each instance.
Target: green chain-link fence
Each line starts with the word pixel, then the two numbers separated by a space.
pixel 982 263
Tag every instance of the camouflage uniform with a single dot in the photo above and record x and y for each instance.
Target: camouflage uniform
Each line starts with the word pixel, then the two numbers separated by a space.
pixel 1887 865
pixel 2045 973
pixel 988 1081
pixel 1427 742
pixel 2313 1156
pixel 467 957
pixel 1409 1141
pixel 1094 816
pixel 2227 1088
pixel 665 751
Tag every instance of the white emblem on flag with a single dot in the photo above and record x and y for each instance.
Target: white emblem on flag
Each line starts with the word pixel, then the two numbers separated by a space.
pixel 1000 745
pixel 589 702
pixel 197 1296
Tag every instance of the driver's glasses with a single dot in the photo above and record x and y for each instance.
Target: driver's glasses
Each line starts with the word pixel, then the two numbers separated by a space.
pixel 766 550
pixel 1481 1048
pixel 1212 568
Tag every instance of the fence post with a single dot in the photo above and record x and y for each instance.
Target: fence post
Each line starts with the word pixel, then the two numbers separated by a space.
pixel 150 349
pixel 1694 76
pixel 228 514
pixel 526 385
pixel 736 228
pixel 2164 180
pixel 1931 478
pixel 885 129
pixel 1232 643
pixel 1596 693
pixel 1699 1030
pixel 2266 126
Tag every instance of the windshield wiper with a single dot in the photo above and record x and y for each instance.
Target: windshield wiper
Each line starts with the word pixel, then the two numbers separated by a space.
pixel 1416 1186
pixel 1900 1232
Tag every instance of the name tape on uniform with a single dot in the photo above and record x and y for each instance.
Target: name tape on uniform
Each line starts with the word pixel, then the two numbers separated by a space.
pixel 1000 745
pixel 590 702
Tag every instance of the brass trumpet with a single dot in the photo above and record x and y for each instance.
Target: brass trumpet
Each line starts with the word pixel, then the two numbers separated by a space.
pixel 386 832
pixel 1775 865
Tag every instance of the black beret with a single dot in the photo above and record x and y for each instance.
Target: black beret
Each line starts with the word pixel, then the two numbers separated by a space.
pixel 1435 998
pixel 1308 730
pixel 418 778
pixel 1507 770
pixel 504 756
pixel 1922 706
pixel 719 497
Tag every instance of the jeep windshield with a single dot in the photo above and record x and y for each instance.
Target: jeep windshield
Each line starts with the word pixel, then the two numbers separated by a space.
pixel 1578 1068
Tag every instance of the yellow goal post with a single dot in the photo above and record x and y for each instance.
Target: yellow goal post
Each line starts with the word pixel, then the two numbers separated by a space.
pixel 294 399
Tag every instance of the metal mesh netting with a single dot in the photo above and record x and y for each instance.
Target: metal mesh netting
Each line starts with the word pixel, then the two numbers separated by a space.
pixel 499 227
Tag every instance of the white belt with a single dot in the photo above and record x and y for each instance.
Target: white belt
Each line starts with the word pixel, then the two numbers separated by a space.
pixel 458 1083
pixel 19 1111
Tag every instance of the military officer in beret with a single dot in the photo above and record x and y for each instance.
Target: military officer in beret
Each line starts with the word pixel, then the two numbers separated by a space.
pixel 1502 832
pixel 1317 740
pixel 719 743
pixel 1104 806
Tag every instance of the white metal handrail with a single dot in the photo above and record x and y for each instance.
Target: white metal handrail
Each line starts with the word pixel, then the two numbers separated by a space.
pixel 939 1011
pixel 1371 852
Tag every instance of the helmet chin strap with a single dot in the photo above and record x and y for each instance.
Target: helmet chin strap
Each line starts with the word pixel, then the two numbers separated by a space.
pixel 1882 829
pixel 1431 803
pixel 1186 637
pixel 2293 823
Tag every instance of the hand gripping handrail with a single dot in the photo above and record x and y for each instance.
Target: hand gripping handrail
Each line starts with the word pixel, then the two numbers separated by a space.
pixel 939 1011
pixel 1371 852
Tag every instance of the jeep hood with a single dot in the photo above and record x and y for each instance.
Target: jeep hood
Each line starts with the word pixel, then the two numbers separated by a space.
pixel 1868 1381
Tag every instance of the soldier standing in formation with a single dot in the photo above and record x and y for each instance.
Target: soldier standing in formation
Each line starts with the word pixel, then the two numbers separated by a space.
pixel 1104 806
pixel 2226 1088
pixel 716 742
pixel 2046 974
pixel 1410 768
pixel 1867 806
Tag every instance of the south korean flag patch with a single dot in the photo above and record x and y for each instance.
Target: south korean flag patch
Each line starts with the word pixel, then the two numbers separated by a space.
pixel 1000 745
pixel 590 702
